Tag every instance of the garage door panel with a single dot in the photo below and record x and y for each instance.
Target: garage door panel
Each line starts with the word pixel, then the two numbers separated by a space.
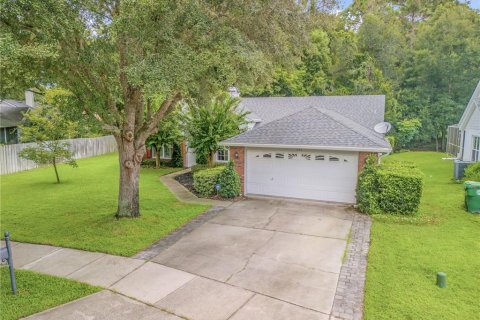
pixel 319 175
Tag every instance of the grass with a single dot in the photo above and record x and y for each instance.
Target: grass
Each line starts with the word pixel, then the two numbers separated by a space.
pixel 79 212
pixel 406 253
pixel 37 292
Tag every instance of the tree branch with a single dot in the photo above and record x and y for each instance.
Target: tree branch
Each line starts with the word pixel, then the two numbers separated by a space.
pixel 149 127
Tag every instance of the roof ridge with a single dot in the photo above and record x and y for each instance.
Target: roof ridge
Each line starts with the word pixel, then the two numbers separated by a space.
pixel 351 124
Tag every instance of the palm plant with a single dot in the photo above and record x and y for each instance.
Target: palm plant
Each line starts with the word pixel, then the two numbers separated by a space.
pixel 210 123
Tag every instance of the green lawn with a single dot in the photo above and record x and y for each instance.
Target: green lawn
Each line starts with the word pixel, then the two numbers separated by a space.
pixel 37 292
pixel 79 212
pixel 406 254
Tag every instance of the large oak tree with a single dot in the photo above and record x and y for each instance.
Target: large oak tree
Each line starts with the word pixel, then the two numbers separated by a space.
pixel 116 55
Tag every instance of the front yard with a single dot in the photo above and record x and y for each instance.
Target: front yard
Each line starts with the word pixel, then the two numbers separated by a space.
pixel 406 253
pixel 37 292
pixel 79 212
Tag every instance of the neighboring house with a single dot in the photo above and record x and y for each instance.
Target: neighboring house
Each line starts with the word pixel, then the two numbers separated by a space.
pixel 306 147
pixel 463 140
pixel 11 114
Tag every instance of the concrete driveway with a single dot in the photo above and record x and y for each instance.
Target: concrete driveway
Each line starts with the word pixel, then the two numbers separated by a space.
pixel 261 259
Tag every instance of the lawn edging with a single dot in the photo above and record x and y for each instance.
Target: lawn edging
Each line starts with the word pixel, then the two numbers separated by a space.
pixel 348 300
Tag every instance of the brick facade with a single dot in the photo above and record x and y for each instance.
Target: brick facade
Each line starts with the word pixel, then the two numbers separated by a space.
pixel 237 155
pixel 362 158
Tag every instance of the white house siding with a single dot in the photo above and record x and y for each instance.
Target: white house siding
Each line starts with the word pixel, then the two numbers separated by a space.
pixel 472 129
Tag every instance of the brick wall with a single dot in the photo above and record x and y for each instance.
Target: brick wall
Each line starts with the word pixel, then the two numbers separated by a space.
pixel 362 158
pixel 239 163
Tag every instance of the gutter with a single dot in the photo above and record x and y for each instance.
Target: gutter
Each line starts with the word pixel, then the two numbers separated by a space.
pixel 285 146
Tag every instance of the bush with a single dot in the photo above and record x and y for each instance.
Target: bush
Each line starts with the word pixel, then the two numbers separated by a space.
pixel 200 167
pixel 204 181
pixel 150 163
pixel 472 172
pixel 393 187
pixel 177 159
pixel 229 180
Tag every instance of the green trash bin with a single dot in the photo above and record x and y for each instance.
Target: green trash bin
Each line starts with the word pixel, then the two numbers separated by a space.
pixel 472 196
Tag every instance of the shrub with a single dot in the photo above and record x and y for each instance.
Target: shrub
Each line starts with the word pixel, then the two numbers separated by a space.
pixel 200 167
pixel 393 187
pixel 367 187
pixel 177 159
pixel 472 172
pixel 204 180
pixel 150 163
pixel 229 181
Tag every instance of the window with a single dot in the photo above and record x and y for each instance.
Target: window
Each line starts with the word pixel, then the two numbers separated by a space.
pixel 476 149
pixel 331 158
pixel 223 154
pixel 166 152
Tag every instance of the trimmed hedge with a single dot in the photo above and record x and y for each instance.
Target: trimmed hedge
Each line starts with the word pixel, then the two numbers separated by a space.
pixel 204 181
pixel 393 188
pixel 150 163
pixel 200 167
pixel 229 181
pixel 472 172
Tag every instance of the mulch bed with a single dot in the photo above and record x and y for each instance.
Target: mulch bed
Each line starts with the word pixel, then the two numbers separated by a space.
pixel 186 180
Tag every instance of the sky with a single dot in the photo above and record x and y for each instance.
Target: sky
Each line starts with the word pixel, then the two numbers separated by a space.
pixel 473 3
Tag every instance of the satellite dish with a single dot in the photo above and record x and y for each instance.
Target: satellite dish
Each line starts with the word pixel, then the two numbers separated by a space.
pixel 382 127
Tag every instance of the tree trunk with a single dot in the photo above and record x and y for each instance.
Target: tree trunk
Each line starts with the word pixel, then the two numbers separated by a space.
pixel 129 162
pixel 210 159
pixel 157 157
pixel 55 168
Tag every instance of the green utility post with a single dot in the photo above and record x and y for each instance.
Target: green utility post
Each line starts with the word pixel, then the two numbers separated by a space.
pixel 441 279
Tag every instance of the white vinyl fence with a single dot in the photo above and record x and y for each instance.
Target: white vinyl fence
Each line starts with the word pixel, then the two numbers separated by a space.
pixel 10 162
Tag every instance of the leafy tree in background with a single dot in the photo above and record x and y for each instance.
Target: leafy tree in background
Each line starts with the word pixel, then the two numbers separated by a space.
pixel 69 106
pixel 208 124
pixel 168 134
pixel 443 69
pixel 46 126
pixel 115 55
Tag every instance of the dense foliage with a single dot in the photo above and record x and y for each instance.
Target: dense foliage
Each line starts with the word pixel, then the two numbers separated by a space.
pixel 392 188
pixel 204 181
pixel 423 55
pixel 472 172
pixel 208 124
pixel 229 181
pixel 168 133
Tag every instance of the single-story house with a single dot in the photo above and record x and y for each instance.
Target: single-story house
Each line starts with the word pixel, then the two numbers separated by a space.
pixel 11 114
pixel 463 140
pixel 306 147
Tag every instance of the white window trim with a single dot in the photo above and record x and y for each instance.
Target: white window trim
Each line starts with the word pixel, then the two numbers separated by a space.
pixel 475 148
pixel 227 150
pixel 163 152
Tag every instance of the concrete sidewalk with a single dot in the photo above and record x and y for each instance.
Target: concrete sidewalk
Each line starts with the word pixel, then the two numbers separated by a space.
pixel 183 194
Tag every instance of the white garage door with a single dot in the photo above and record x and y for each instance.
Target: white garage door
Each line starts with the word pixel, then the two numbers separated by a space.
pixel 305 174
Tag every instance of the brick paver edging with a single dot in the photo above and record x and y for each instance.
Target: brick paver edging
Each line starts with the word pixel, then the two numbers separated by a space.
pixel 348 301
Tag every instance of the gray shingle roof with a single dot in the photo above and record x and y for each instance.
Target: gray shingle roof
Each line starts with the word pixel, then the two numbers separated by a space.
pixel 11 112
pixel 316 127
pixel 365 110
